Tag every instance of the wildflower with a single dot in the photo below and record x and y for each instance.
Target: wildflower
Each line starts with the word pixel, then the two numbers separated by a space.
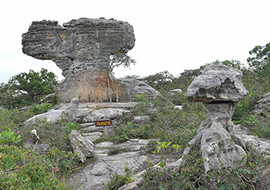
pixel 55 169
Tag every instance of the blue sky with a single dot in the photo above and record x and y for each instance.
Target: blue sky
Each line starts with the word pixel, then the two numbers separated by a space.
pixel 171 35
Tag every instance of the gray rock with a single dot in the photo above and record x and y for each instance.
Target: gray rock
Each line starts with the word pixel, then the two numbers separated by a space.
pixel 81 145
pixel 41 148
pixel 93 135
pixel 220 88
pixel 179 107
pixel 135 86
pixel 79 44
pixel 53 116
pixel 93 129
pixel 133 144
pixel 99 172
pixel 263 105
pixel 104 114
pixel 218 148
pixel 50 98
pixel 217 83
pixel 175 92
pixel 141 119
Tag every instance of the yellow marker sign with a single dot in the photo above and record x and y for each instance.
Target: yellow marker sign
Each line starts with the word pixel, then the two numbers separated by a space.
pixel 103 123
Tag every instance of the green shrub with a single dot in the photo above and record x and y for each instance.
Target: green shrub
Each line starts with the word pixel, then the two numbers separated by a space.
pixel 42 108
pixel 191 174
pixel 130 130
pixel 9 137
pixel 12 118
pixel 118 181
pixel 258 125
pixel 24 169
pixel 116 150
pixel 54 134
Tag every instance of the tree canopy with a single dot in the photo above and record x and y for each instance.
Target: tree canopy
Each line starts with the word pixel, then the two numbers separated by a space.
pixel 27 88
pixel 121 59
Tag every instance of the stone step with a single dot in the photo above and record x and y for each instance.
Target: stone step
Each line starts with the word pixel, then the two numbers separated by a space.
pixel 93 136
pixel 93 129
pixel 84 125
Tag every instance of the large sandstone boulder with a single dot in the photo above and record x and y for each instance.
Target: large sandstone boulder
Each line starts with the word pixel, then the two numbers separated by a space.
pixel 220 88
pixel 82 49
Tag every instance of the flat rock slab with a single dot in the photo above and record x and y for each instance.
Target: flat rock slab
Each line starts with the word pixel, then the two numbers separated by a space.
pixel 97 173
pixel 108 105
pixel 93 136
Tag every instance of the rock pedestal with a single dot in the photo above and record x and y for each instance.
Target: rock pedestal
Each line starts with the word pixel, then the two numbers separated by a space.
pixel 220 88
pixel 82 49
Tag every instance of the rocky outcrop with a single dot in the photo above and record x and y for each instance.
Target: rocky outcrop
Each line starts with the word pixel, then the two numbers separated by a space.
pixel 263 105
pixel 100 170
pixel 52 116
pixel 220 88
pixel 82 49
pixel 81 145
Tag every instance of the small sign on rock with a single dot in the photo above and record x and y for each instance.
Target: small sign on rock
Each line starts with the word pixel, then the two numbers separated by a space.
pixel 103 123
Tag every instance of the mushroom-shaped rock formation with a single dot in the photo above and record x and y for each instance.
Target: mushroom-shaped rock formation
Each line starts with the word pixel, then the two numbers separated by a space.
pixel 220 88
pixel 82 49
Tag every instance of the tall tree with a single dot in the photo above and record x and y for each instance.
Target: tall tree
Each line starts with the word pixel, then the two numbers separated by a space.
pixel 259 63
pixel 27 88
pixel 121 59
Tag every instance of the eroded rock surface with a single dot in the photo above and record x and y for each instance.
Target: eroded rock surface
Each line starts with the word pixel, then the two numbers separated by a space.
pixel 100 170
pixel 217 83
pixel 82 49
pixel 81 145
pixel 220 88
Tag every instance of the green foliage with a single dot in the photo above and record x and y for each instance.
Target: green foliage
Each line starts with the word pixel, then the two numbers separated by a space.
pixel 259 125
pixel 23 169
pixel 130 130
pixel 118 181
pixel 151 146
pixel 259 63
pixel 62 160
pixel 54 134
pixel 12 119
pixel 191 175
pixel 166 123
pixel 116 150
pixel 42 108
pixel 9 137
pixel 121 59
pixel 27 88
pixel 161 81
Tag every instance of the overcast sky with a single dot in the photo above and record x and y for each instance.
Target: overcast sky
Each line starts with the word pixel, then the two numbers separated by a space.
pixel 171 35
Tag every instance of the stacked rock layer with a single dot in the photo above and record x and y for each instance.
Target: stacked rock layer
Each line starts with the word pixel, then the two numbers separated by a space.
pixel 82 49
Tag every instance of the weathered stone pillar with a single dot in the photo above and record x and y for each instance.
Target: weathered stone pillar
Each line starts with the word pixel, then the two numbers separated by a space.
pixel 81 49
pixel 220 88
